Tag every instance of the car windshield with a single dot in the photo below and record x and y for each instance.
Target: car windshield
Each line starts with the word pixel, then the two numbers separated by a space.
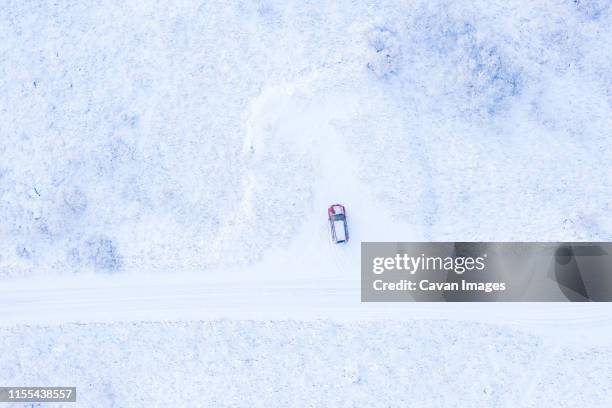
pixel 338 217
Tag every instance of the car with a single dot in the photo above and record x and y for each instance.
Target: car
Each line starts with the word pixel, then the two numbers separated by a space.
pixel 337 223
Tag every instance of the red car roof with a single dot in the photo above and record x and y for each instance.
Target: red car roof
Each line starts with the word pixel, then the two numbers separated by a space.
pixel 335 209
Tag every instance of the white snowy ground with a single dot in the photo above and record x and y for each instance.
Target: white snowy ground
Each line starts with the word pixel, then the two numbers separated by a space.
pixel 158 158
pixel 305 364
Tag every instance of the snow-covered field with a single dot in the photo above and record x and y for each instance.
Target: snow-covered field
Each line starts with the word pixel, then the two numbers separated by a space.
pixel 158 158
pixel 306 364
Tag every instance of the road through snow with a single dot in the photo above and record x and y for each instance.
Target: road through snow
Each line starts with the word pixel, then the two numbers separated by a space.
pixel 260 297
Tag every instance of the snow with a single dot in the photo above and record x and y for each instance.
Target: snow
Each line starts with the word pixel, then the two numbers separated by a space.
pixel 298 364
pixel 175 161
pixel 129 129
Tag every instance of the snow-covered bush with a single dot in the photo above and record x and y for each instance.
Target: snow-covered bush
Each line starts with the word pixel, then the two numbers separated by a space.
pixel 385 52
pixel 466 68
pixel 592 9
pixel 490 76
pixel 75 200
pixel 102 253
